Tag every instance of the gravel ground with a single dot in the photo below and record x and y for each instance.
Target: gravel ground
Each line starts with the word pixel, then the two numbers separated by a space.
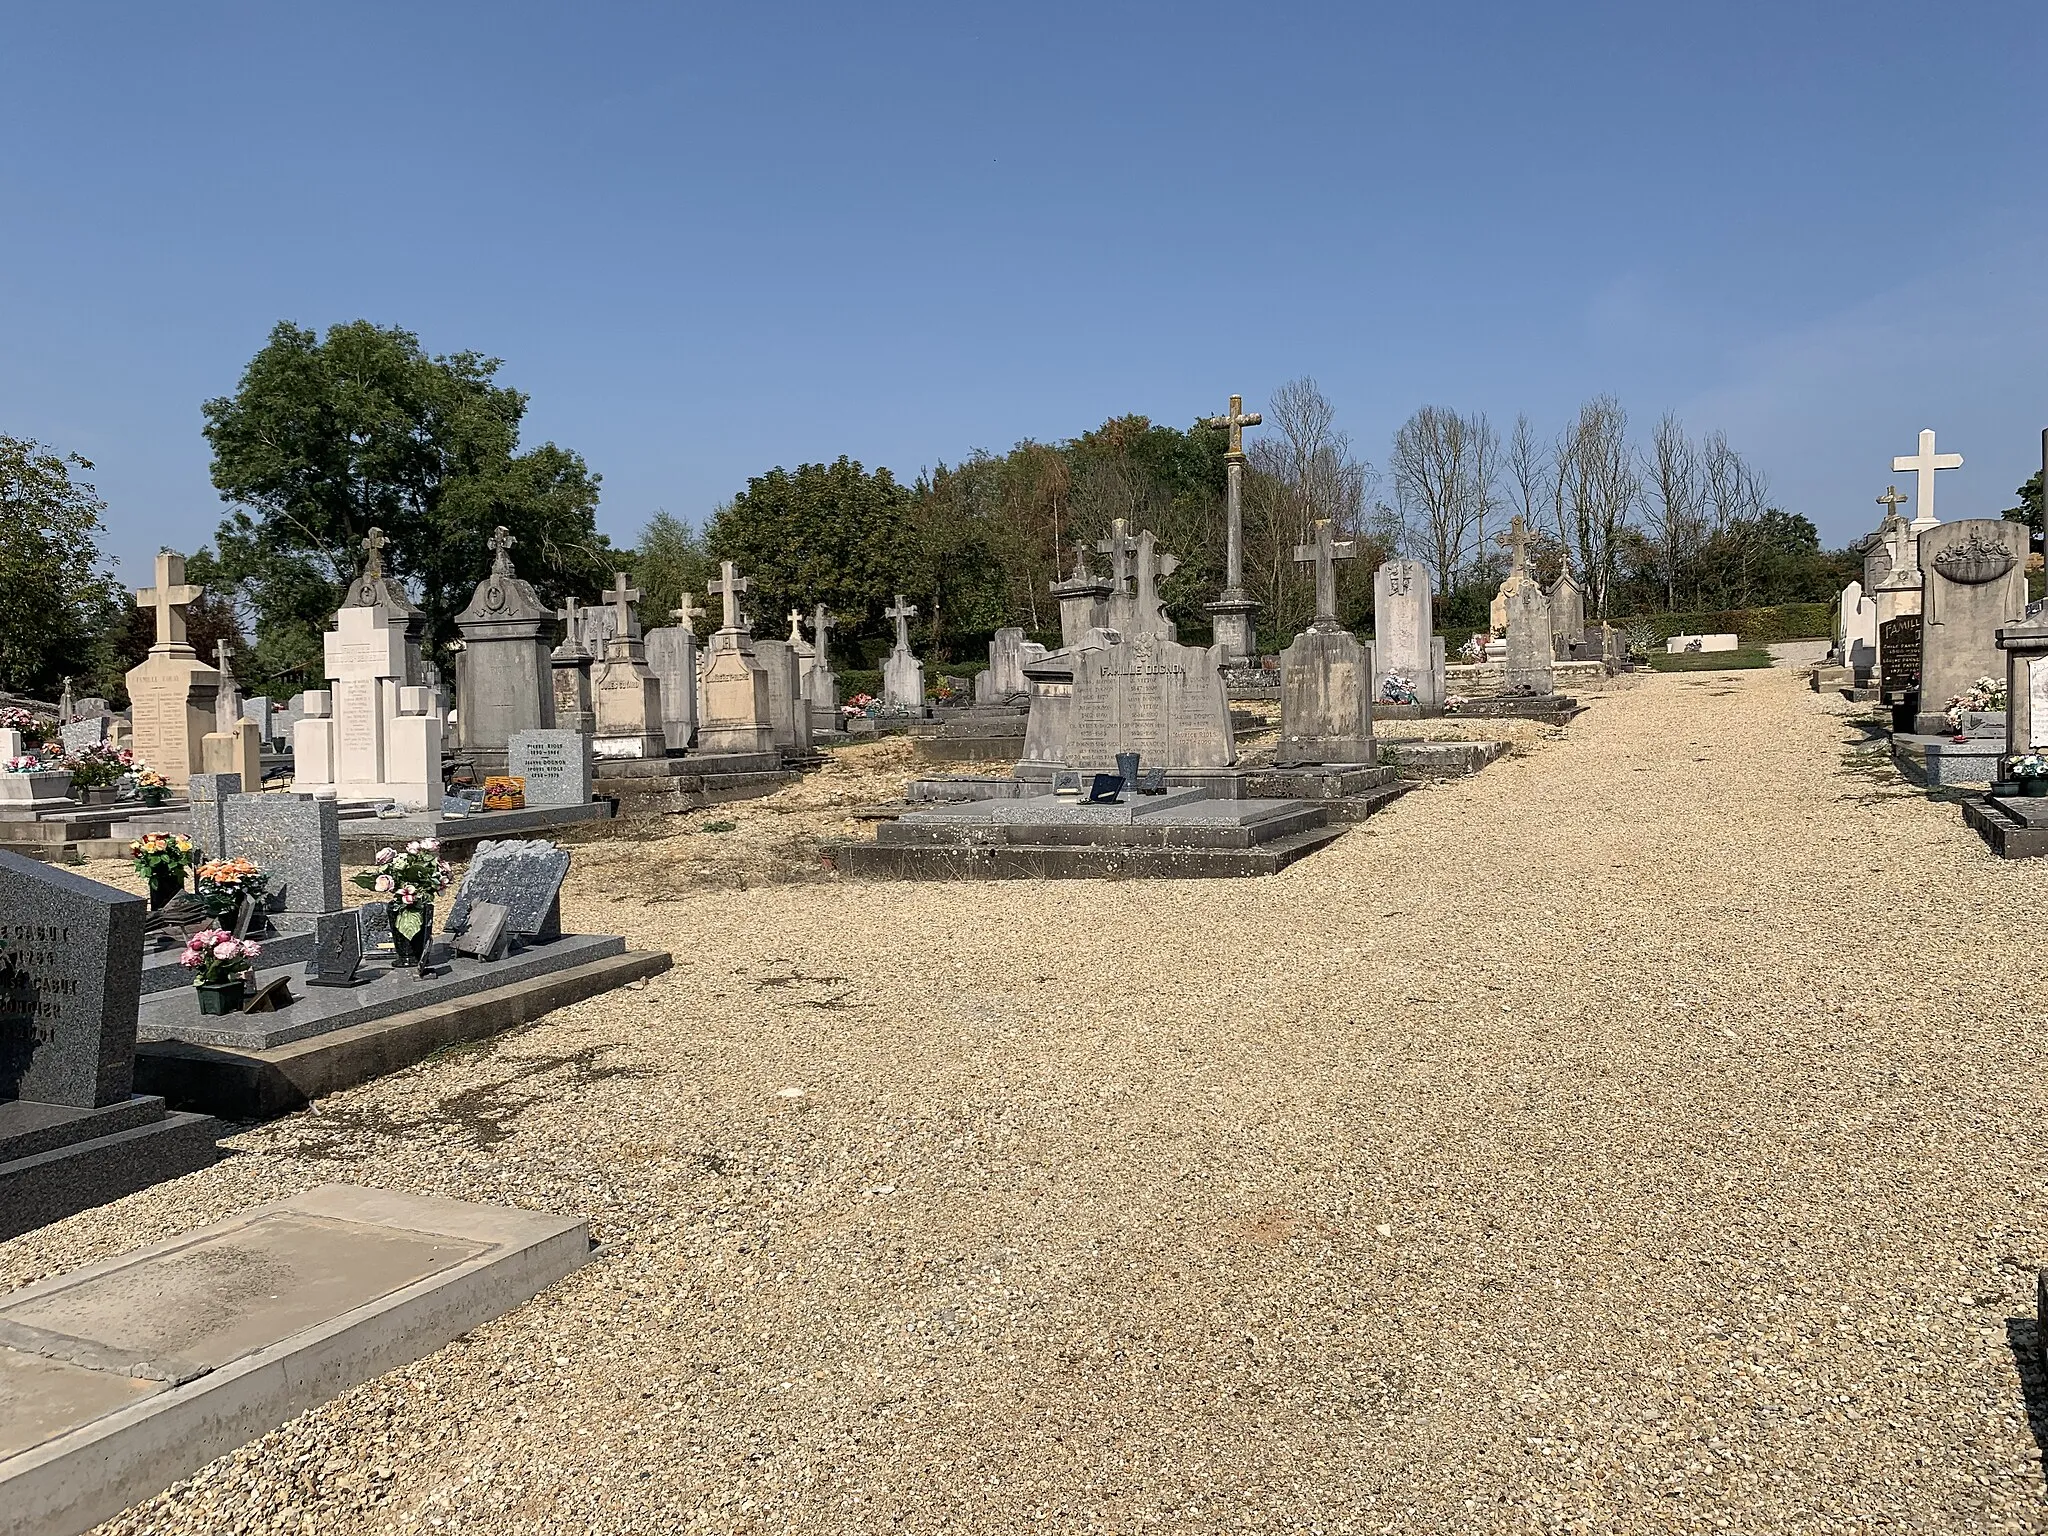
pixel 1642 1135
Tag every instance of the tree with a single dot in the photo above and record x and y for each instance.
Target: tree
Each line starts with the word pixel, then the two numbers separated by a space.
pixel 1302 471
pixel 1595 490
pixel 669 560
pixel 324 439
pixel 1444 469
pixel 2029 509
pixel 1677 526
pixel 60 609
pixel 823 533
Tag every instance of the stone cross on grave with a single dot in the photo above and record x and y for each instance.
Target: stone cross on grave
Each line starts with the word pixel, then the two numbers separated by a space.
pixel 500 545
pixel 730 585
pixel 1236 420
pixel 1326 551
pixel 796 626
pixel 1154 566
pixel 169 597
pixel 227 704
pixel 620 598
pixel 822 625
pixel 567 614
pixel 1891 499
pixel 1119 547
pixel 688 614
pixel 1923 465
pixel 373 551
pixel 903 613
pixel 1516 539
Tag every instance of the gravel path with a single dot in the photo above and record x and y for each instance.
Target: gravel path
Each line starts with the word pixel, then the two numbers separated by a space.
pixel 1641 1136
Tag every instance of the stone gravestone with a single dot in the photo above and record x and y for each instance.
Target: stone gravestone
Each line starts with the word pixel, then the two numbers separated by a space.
pixel 1404 640
pixel 1161 699
pixel 1084 601
pixel 234 745
pixel 626 695
pixel 209 794
pixel 672 658
pixel 503 673
pixel 820 683
pixel 313 742
pixel 386 737
pixel 1325 675
pixel 902 672
pixel 1004 679
pixel 1567 617
pixel 337 948
pixel 70 980
pixel 1859 631
pixel 296 840
pixel 732 695
pixel 789 718
pixel 555 765
pixel 1898 652
pixel 1529 669
pixel 524 877
pixel 1974 580
pixel 171 694
pixel 258 711
pixel 80 735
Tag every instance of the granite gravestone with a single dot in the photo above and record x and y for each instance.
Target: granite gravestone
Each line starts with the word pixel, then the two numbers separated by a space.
pixel 70 980
pixel 295 840
pixel 486 933
pixel 555 765
pixel 337 948
pixel 1973 580
pixel 1898 656
pixel 524 877
pixel 210 793
pixel 79 735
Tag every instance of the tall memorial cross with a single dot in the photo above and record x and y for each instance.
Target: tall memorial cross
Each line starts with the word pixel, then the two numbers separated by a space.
pixel 1923 465
pixel 1516 539
pixel 730 585
pixel 687 614
pixel 902 613
pixel 169 598
pixel 1326 551
pixel 1119 546
pixel 1234 421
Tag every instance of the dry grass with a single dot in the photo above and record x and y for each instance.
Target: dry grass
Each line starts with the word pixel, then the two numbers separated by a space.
pixel 1644 1135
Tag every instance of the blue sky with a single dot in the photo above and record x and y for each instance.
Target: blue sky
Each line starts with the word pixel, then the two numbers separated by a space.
pixel 711 240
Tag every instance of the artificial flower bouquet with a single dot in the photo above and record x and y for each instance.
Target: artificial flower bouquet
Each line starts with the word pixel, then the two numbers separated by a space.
pixel 217 957
pixel 222 884
pixel 409 881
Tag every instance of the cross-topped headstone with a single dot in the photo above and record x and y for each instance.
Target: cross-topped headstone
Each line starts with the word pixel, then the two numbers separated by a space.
pixel 1153 566
pixel 687 613
pixel 169 598
pixel 1891 499
pixel 1236 420
pixel 1119 546
pixel 67 707
pixel 1923 465
pixel 730 585
pixel 501 541
pixel 373 554
pixel 902 613
pixel 822 625
pixel 1516 539
pixel 1326 551
pixel 796 626
pixel 620 597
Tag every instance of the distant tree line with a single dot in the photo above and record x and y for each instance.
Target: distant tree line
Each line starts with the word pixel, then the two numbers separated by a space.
pixel 325 437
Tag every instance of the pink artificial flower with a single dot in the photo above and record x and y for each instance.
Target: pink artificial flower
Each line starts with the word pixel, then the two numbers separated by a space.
pixel 430 844
pixel 251 949
pixel 386 883
pixel 227 949
pixel 190 959
pixel 386 855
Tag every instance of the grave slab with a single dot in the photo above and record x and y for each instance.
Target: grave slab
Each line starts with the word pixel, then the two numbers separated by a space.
pixel 119 1380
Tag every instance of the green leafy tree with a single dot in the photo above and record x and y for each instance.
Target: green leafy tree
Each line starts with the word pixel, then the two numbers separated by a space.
pixel 324 439
pixel 669 560
pixel 821 533
pixel 60 609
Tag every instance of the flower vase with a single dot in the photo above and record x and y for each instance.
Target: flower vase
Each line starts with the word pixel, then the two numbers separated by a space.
pixel 163 885
pixel 220 997
pixel 2035 786
pixel 412 951
pixel 152 794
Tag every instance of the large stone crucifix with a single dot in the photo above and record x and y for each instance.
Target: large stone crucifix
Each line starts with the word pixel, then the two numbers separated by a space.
pixel 1231 613
pixel 1891 500
pixel 687 613
pixel 373 554
pixel 1923 465
pixel 169 598
pixel 902 613
pixel 1517 540
pixel 620 599
pixel 730 585
pixel 1119 546
pixel 1326 551
pixel 1235 420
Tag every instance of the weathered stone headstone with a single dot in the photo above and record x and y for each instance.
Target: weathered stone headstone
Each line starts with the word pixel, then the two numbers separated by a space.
pixel 1004 681
pixel 555 765
pixel 732 697
pixel 524 877
pixel 1158 698
pixel 210 793
pixel 626 695
pixel 1567 616
pixel 258 711
pixel 1084 601
pixel 171 694
pixel 789 718
pixel 503 673
pixel 234 745
pixel 296 840
pixel 672 658
pixel 819 682
pixel 70 979
pixel 1529 661
pixel 1404 640
pixel 1974 581
pixel 79 735
pixel 1325 675
pixel 571 663
pixel 902 672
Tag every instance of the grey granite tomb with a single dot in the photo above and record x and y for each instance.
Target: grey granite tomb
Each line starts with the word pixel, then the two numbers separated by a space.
pixel 294 839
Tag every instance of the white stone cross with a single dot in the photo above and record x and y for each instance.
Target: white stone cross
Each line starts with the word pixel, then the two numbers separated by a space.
pixel 1326 551
pixel 1923 464
pixel 169 597
pixel 1236 419
pixel 730 585
pixel 796 626
pixel 688 614
pixel 902 613
pixel 1119 546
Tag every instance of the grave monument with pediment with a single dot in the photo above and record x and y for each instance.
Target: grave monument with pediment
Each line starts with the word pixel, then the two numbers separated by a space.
pixel 503 673
pixel 171 695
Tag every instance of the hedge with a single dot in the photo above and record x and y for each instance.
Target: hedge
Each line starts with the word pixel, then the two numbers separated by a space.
pixel 1708 661
pixel 1755 626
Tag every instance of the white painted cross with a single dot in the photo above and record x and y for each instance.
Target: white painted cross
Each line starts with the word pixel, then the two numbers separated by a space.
pixel 730 585
pixel 902 613
pixel 1924 464
pixel 796 626
pixel 169 597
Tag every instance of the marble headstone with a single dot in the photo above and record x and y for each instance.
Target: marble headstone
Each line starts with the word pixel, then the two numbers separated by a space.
pixel 555 765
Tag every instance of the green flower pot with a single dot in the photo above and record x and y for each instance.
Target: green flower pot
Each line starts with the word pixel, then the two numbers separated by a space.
pixel 220 997
pixel 2036 787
